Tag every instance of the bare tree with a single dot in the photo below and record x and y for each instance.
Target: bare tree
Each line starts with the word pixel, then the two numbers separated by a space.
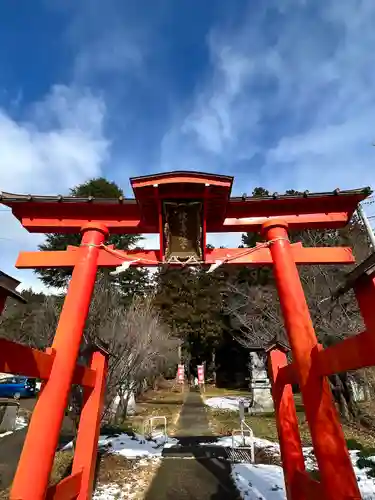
pixel 33 324
pixel 141 347
pixel 256 312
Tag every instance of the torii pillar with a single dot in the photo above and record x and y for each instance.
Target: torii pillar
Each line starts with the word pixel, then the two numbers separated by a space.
pixel 286 419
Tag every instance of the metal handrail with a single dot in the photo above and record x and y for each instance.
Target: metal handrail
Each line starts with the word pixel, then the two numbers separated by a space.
pixel 149 425
pixel 245 429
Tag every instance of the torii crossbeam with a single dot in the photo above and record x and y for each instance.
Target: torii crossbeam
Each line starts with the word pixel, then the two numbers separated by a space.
pixel 182 207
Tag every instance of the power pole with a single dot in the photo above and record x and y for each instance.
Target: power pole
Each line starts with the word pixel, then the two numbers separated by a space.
pixel 369 230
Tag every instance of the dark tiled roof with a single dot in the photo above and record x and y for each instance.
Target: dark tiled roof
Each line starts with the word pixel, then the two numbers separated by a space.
pixel 15 198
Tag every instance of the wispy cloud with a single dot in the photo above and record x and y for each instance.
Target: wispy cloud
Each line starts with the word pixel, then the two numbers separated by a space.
pixel 289 101
pixel 59 143
pixel 282 95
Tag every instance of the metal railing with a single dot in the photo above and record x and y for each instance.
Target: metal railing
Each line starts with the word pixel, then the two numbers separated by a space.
pixel 149 427
pixel 247 435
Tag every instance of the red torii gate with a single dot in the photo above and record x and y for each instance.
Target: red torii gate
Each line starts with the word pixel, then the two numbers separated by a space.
pixel 182 207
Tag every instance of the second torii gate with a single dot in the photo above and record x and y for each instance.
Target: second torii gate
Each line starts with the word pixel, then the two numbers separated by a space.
pixel 182 207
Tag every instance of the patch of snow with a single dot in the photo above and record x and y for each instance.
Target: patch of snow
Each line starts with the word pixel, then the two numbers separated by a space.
pixel 230 403
pixel 226 441
pixel 266 482
pixel 259 481
pixel 365 482
pixel 19 424
pixel 135 446
pixel 110 492
pixel 132 447
pixel 3 434
pixel 129 487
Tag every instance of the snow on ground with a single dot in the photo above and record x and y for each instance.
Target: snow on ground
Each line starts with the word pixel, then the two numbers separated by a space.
pixel 135 446
pixel 20 424
pixel 226 441
pixel 259 481
pixel 226 403
pixel 133 485
pixel 132 447
pixel 266 482
pixel 109 492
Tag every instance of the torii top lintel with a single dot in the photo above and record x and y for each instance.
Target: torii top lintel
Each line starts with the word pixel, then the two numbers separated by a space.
pixel 222 213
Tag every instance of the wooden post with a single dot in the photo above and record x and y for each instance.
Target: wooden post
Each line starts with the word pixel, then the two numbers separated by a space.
pixel 89 427
pixel 31 479
pixel 337 474
pixel 287 426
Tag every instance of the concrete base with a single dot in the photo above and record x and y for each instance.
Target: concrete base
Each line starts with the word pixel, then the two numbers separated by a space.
pixel 262 399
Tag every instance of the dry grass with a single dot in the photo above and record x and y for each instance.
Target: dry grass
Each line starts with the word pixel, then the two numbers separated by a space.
pixel 163 402
pixel 4 494
pixel 131 477
pixel 61 469
pixel 62 465
pixel 212 391
pixel 264 425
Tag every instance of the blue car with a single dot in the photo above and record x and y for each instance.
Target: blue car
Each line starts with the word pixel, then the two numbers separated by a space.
pixel 17 387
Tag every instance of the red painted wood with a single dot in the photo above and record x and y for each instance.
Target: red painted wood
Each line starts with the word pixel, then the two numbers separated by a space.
pixel 288 375
pixel 67 489
pixel 37 455
pixel 28 362
pixel 181 177
pixel 121 225
pixel 89 426
pixel 337 475
pixel 285 206
pixel 349 354
pixel 309 487
pixel 304 221
pixel 365 293
pixel 149 258
pixel 287 425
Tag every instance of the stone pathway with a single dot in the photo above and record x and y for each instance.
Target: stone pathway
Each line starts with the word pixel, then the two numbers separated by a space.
pixel 190 471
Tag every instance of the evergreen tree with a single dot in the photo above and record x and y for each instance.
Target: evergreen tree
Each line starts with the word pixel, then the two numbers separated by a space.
pixel 132 281
pixel 190 302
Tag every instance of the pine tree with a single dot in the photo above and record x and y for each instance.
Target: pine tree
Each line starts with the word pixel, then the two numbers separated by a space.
pixel 190 302
pixel 133 281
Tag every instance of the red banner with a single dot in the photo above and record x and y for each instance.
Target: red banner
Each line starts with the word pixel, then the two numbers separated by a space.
pixel 180 373
pixel 200 374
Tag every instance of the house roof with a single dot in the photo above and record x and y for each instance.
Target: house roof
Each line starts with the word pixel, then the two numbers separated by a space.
pixel 9 284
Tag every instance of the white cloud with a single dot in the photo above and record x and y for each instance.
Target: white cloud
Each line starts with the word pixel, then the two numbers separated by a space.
pixel 289 101
pixel 336 149
pixel 213 134
pixel 218 110
pixel 114 52
pixel 59 144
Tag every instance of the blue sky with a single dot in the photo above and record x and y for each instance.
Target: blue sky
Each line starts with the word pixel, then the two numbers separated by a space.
pixel 278 93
